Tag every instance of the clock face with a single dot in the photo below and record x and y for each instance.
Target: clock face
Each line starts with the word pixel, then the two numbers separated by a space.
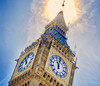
pixel 58 66
pixel 25 62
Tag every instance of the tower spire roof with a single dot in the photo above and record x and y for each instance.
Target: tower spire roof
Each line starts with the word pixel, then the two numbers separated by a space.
pixel 59 21
pixel 60 18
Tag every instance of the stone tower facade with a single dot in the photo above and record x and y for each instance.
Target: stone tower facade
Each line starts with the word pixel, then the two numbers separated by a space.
pixel 47 62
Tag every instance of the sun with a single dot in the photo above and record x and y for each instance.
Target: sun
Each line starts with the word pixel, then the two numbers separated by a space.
pixel 53 7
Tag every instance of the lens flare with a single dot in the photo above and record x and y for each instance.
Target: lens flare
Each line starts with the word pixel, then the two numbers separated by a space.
pixel 53 7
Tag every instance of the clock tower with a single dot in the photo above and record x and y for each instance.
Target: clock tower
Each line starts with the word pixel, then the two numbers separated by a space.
pixel 47 62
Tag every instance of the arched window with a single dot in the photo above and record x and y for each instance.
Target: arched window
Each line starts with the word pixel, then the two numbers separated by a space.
pixel 51 79
pixel 44 74
pixel 28 83
pixel 25 84
pixel 48 76
pixel 54 80
pixel 40 84
pixel 57 83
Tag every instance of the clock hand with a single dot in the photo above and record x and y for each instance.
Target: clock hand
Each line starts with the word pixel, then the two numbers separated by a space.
pixel 25 61
pixel 58 63
pixel 59 60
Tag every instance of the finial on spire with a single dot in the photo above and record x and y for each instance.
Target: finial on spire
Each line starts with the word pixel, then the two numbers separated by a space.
pixel 63 3
pixel 75 49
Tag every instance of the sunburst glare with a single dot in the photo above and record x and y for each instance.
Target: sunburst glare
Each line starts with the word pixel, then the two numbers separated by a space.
pixel 53 7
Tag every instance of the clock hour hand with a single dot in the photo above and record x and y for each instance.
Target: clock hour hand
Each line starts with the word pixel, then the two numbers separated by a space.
pixel 58 63
pixel 25 61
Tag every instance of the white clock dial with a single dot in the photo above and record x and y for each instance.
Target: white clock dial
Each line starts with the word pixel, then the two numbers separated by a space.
pixel 25 62
pixel 58 66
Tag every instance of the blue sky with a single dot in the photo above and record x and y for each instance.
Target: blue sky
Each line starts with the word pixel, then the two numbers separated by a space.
pixel 13 34
pixel 21 24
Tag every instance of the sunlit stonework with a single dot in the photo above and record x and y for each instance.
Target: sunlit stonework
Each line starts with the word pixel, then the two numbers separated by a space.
pixel 47 62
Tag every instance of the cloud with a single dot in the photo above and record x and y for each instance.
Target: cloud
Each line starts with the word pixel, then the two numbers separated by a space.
pixel 35 26
pixel 85 19
pixel 83 34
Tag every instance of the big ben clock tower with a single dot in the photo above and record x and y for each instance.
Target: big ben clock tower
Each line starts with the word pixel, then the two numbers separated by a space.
pixel 47 62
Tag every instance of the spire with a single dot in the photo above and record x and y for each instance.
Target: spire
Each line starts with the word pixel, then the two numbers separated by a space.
pixel 60 18
pixel 59 21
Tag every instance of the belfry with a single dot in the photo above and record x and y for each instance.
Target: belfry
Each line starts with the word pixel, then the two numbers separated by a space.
pixel 49 61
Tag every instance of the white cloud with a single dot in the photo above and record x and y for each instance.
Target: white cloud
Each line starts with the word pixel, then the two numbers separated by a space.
pixel 83 34
pixel 35 24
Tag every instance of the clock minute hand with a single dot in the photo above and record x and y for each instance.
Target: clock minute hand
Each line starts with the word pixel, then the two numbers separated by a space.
pixel 59 60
